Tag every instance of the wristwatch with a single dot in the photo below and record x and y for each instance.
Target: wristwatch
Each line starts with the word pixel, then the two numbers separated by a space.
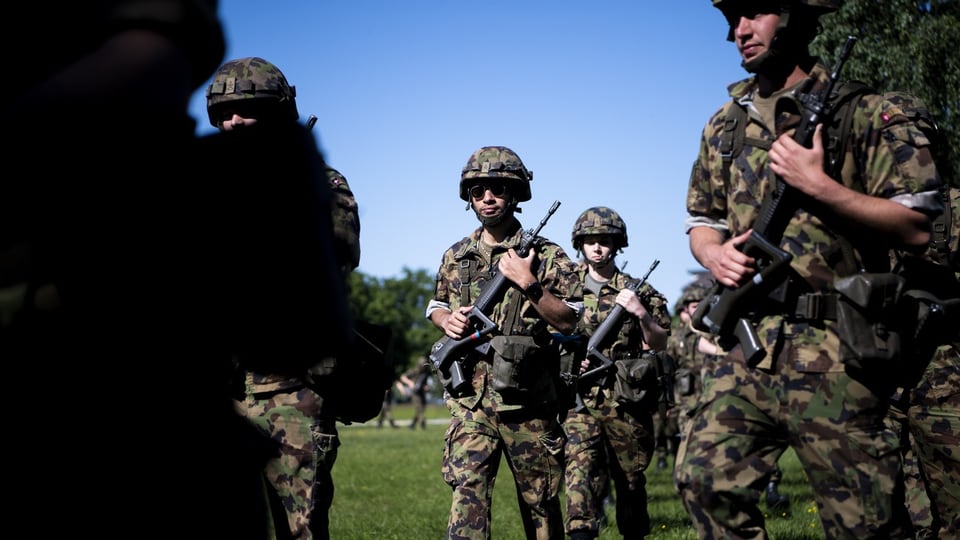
pixel 534 291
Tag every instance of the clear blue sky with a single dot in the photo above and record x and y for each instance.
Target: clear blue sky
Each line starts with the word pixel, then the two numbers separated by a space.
pixel 603 100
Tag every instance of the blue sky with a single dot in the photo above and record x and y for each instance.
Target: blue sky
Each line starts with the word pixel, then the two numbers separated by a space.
pixel 603 100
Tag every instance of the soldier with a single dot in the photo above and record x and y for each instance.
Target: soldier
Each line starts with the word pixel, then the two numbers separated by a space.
pixel 810 384
pixel 511 412
pixel 94 283
pixel 927 412
pixel 286 373
pixel 610 431
pixel 692 350
pixel 415 382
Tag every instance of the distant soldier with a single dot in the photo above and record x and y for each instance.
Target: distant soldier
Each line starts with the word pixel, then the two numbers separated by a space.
pixel 416 382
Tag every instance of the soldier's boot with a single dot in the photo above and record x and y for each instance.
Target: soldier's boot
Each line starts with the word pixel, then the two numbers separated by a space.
pixel 583 534
pixel 774 498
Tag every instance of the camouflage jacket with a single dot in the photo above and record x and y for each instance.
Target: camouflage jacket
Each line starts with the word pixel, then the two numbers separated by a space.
pixel 627 342
pixel 887 156
pixel 629 338
pixel 553 268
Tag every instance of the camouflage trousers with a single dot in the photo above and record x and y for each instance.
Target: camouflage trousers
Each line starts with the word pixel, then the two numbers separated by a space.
pixel 934 422
pixel 532 442
pixel 746 420
pixel 299 476
pixel 666 433
pixel 606 442
pixel 915 488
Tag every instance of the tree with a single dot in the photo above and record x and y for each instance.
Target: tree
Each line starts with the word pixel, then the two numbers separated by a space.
pixel 905 45
pixel 398 303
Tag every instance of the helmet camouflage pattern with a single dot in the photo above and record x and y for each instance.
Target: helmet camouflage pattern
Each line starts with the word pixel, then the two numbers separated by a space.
pixel 497 162
pixel 346 220
pixel 599 220
pixel 253 79
pixel 693 292
pixel 824 6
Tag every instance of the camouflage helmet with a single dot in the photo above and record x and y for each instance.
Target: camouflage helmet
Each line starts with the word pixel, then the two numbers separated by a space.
pixel 497 162
pixel 813 7
pixel 253 79
pixel 599 220
pixel 824 6
pixel 346 220
pixel 694 292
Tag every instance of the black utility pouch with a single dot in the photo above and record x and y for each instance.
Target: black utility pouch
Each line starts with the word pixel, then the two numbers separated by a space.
pixel 522 369
pixel 685 384
pixel 636 380
pixel 870 336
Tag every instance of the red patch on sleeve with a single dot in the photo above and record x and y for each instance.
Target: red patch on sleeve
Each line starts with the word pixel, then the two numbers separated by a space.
pixel 885 117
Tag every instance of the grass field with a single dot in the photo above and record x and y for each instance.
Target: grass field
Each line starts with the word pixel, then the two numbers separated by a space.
pixel 388 486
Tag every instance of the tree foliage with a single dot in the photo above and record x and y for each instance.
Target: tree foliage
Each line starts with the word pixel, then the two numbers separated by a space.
pixel 398 303
pixel 909 46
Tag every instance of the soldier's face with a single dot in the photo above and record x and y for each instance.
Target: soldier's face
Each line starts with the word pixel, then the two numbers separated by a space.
pixel 753 30
pixel 490 200
pixel 236 121
pixel 597 248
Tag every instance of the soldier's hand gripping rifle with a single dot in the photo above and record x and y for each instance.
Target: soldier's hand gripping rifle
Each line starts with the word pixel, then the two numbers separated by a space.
pixel 599 337
pixel 448 354
pixel 725 311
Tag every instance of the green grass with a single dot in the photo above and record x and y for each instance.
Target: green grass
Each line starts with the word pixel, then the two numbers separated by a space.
pixel 389 486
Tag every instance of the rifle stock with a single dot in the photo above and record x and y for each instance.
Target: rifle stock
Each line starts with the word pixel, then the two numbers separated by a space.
pixel 448 354
pixel 599 337
pixel 724 311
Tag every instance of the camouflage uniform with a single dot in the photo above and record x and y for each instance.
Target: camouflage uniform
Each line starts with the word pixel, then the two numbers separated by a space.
pixel 606 437
pixel 682 346
pixel 284 398
pixel 291 409
pixel 486 424
pixel 798 394
pixel 492 419
pixel 934 420
pixel 930 423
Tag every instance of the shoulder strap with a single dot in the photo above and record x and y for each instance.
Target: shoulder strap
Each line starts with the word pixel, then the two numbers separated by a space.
pixel 733 137
pixel 843 105
pixel 468 269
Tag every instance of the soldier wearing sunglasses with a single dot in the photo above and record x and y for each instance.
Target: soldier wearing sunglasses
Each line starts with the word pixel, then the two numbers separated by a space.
pixel 513 404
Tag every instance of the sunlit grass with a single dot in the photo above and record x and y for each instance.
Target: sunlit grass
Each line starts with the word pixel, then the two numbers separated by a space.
pixel 389 486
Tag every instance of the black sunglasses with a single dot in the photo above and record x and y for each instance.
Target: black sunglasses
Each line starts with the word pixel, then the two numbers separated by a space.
pixel 478 191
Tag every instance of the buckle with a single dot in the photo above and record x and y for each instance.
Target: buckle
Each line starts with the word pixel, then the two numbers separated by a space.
pixel 808 306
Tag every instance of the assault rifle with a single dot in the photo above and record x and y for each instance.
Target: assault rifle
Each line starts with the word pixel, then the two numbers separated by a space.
pixel 448 354
pixel 725 311
pixel 603 331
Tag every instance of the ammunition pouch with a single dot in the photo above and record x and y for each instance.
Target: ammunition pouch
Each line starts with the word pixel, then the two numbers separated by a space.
pixel 685 383
pixel 868 322
pixel 637 380
pixel 524 371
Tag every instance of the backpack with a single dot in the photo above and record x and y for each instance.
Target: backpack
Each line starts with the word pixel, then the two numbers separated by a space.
pixel 363 374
